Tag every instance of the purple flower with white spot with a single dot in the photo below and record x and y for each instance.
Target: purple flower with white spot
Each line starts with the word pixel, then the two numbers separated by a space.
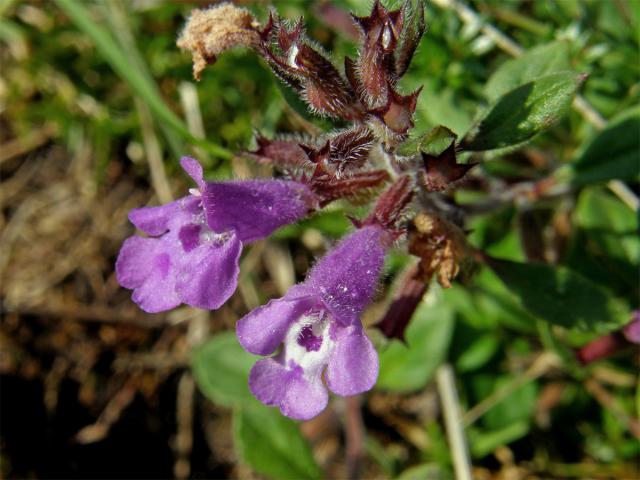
pixel 192 252
pixel 318 324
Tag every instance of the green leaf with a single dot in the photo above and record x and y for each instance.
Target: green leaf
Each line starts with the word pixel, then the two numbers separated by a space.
pixel 606 246
pixel 478 353
pixel 537 62
pixel 518 406
pixel 221 369
pixel 482 443
pixel 434 142
pixel 440 106
pixel 523 112
pixel 613 153
pixel 495 300
pixel 409 367
pixel 497 234
pixel 562 296
pixel 272 444
pixel 486 303
pixel 613 225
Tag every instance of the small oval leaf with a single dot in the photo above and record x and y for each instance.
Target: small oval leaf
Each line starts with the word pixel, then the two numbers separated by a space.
pixel 409 367
pixel 523 112
pixel 539 61
pixel 614 153
pixel 272 444
pixel 221 369
pixel 562 296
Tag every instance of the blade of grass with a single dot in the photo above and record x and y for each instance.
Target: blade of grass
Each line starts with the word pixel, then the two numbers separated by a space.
pixel 191 107
pixel 153 154
pixel 542 365
pixel 116 14
pixel 453 421
pixel 109 49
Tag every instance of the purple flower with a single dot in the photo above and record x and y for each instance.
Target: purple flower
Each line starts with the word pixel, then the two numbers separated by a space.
pixel 318 323
pixel 194 244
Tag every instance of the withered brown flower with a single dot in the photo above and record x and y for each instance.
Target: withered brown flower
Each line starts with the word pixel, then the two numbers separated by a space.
pixel 440 245
pixel 211 31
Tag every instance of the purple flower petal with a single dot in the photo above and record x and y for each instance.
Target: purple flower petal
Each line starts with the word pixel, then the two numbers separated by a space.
pixel 146 265
pixel 303 399
pixel 135 261
pixel 189 236
pixel 194 170
pixel 157 294
pixel 208 274
pixel 255 208
pixel 266 379
pixel 158 220
pixel 153 220
pixel 346 278
pixel 273 384
pixel 353 366
pixel 262 330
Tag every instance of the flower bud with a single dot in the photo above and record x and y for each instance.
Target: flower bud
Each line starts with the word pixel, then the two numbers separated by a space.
pixel 325 91
pixel 380 33
pixel 412 30
pixel 355 187
pixel 397 113
pixel 389 208
pixel 308 71
pixel 406 297
pixel 283 154
pixel 350 149
pixel 440 245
